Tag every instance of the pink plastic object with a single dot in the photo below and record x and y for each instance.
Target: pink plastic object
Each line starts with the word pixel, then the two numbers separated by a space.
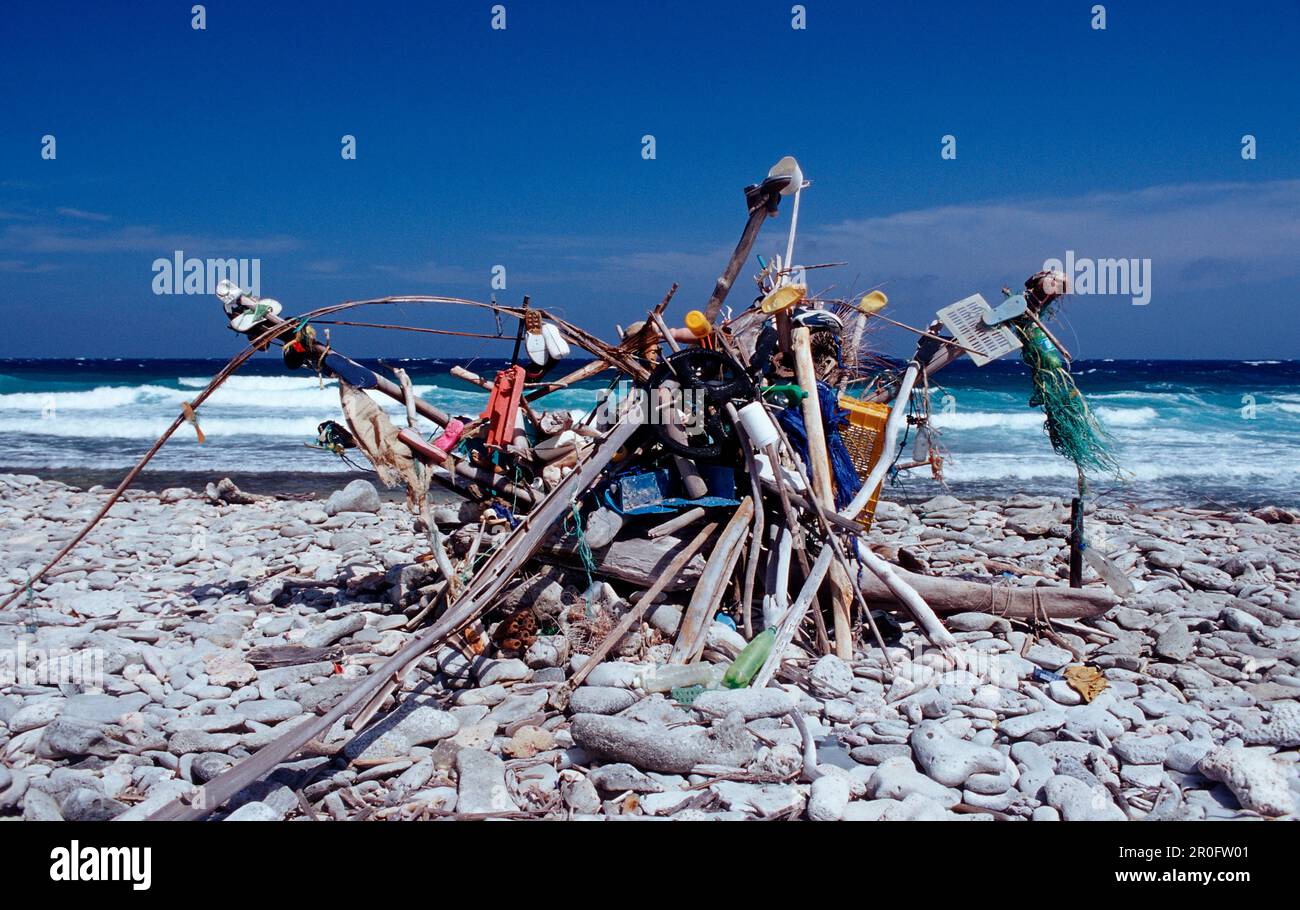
pixel 437 450
pixel 450 436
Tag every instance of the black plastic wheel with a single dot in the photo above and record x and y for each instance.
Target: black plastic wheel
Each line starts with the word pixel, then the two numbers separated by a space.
pixel 712 379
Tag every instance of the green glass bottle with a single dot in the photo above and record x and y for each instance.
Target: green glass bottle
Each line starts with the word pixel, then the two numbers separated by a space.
pixel 749 661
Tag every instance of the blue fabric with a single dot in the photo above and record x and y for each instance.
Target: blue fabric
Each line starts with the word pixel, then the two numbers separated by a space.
pixel 847 482
pixel 672 504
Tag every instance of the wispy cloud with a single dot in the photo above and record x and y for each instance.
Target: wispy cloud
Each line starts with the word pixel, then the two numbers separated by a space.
pixel 22 267
pixel 1197 235
pixel 1202 234
pixel 323 267
pixel 83 215
pixel 37 238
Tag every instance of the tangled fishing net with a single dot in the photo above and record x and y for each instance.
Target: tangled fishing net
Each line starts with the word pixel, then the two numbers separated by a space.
pixel 1071 426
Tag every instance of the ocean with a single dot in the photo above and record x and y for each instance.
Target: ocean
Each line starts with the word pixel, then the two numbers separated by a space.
pixel 1221 433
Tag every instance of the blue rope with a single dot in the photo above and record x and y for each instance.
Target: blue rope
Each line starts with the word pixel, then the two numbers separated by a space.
pixel 847 482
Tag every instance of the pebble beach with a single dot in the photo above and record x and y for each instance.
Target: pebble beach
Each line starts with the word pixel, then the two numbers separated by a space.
pixel 163 619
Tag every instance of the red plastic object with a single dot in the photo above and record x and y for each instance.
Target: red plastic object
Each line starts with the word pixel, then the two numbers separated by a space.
pixel 503 405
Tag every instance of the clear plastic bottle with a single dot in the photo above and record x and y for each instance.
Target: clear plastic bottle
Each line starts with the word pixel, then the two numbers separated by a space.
pixel 1110 573
pixel 666 677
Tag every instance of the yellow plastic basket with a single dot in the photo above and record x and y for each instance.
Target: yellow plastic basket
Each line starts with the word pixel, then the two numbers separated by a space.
pixel 863 437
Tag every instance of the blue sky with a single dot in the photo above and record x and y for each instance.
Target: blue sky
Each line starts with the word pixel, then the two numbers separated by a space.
pixel 522 147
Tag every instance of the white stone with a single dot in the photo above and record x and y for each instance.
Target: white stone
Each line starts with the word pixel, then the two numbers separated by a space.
pixel 949 760
pixel 829 798
pixel 831 677
pixel 1076 801
pixel 896 778
pixel 1257 780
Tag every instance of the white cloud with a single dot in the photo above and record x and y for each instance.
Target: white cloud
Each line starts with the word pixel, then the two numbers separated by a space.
pixel 42 239
pixel 83 215
pixel 1203 234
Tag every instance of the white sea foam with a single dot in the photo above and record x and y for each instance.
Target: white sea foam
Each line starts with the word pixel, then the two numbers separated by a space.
pixel 258 383
pixel 969 468
pixel 1158 400
pixel 107 399
pixel 1167 435
pixel 1030 419
pixel 303 428
pixel 98 399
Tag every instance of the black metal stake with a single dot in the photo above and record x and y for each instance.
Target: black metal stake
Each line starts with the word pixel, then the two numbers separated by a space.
pixel 1076 543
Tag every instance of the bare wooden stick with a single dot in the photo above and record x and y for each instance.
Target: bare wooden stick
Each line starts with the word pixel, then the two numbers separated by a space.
pixel 712 584
pixel 408 396
pixel 363 717
pixel 907 595
pixel 783 491
pixel 954 595
pixel 923 334
pixel 676 523
pixel 436 545
pixel 585 372
pixel 727 580
pixel 796 531
pixel 763 205
pixel 756 532
pixel 897 417
pixel 823 487
pixel 794 616
pixel 471 377
pixel 780 579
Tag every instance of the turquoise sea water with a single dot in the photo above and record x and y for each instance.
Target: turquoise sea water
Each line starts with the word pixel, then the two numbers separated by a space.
pixel 1185 431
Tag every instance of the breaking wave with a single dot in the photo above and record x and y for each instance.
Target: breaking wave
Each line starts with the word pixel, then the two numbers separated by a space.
pixel 1176 426
pixel 1027 419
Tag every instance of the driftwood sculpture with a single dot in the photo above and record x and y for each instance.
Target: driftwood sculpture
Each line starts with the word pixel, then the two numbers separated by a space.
pixel 691 485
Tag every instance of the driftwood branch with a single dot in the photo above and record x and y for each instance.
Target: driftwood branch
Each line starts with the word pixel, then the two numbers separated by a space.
pixel 712 585
pixel 953 595
pixel 793 617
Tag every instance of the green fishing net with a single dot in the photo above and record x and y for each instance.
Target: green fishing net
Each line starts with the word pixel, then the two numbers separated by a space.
pixel 1071 426
pixel 686 695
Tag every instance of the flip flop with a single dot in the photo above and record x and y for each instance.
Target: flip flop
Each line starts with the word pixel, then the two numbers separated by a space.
pixel 556 346
pixel 535 339
pixel 249 319
pixel 230 294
